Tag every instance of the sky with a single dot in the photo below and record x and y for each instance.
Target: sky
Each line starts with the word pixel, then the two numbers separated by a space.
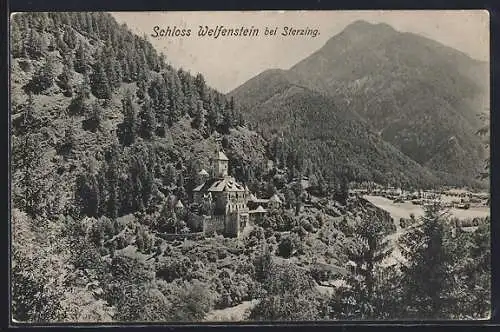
pixel 227 62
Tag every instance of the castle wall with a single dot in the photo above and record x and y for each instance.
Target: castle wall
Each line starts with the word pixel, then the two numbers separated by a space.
pixel 189 236
pixel 233 225
pixel 198 197
pixel 214 224
pixel 220 201
pixel 195 222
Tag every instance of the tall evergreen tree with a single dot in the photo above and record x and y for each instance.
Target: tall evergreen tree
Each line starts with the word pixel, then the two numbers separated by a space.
pixel 87 194
pixel 68 142
pixel 99 82
pixel 427 277
pixel 127 130
pixel 36 45
pixel 27 158
pixel 17 40
pixel 367 249
pixel 147 120
pixel 199 117
pixel 200 85
pixel 69 37
pixel 79 103
pixel 94 119
pixel 43 78
pixel 112 172
pixel 65 78
pixel 81 59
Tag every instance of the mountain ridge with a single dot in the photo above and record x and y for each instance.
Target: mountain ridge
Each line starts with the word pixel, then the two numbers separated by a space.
pixel 413 91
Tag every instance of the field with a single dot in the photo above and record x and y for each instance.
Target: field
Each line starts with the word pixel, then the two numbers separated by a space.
pixel 403 210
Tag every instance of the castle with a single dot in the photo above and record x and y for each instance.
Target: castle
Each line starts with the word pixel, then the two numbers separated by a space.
pixel 223 202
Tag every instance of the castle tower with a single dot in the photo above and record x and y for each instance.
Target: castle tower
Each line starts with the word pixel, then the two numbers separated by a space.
pixel 220 165
pixel 203 175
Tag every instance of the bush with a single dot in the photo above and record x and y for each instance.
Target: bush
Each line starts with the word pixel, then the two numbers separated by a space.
pixel 190 301
pixel 289 246
pixel 171 269
pixel 306 224
pixel 42 79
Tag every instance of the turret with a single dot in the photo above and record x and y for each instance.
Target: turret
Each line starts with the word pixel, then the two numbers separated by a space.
pixel 203 175
pixel 220 165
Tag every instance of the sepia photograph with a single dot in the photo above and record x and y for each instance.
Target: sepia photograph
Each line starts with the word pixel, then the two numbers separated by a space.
pixel 249 166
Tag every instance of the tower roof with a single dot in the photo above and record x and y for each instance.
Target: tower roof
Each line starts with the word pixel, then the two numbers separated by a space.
pixel 259 209
pixel 226 184
pixel 179 204
pixel 221 156
pixel 203 172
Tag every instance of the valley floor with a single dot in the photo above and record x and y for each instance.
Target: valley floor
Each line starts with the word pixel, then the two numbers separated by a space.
pixel 404 210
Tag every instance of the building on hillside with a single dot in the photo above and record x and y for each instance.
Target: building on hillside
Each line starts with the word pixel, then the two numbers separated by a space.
pixel 258 214
pixel 221 200
pixel 254 202
pixel 274 202
pixel 203 174
pixel 179 207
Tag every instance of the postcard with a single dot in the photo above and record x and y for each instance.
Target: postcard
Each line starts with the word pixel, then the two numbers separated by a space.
pixel 253 166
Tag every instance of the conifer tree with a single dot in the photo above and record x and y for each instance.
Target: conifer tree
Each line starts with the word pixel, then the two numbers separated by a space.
pixel 127 130
pixel 199 117
pixel 60 44
pixel 113 71
pixel 93 121
pixel 200 85
pixel 113 166
pixel 69 37
pixel 78 105
pixel 147 120
pixel 426 276
pixel 87 194
pixel 213 116
pixel 341 192
pixel 81 59
pixel 17 41
pixel 43 78
pixel 367 249
pixel 67 145
pixel 142 85
pixel 27 158
pixel 65 78
pixel 36 45
pixel 102 190
pixel 99 82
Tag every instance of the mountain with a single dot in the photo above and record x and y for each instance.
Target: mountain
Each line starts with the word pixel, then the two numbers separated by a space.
pixel 412 91
pixel 337 141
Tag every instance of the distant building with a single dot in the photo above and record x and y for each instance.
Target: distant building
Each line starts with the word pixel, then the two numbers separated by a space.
pixel 179 207
pixel 203 175
pixel 258 213
pixel 274 202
